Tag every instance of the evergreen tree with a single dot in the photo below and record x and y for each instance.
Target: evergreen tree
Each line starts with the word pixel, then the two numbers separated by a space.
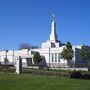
pixel 37 58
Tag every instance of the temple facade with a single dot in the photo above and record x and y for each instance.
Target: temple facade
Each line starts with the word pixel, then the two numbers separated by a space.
pixel 49 51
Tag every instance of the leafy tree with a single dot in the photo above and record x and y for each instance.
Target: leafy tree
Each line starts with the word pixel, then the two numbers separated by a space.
pixel 37 58
pixel 26 46
pixel 85 53
pixel 6 61
pixel 67 52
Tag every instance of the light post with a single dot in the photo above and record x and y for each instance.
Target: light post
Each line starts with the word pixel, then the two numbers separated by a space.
pixel 13 62
pixel 6 53
pixel 49 59
pixel 59 57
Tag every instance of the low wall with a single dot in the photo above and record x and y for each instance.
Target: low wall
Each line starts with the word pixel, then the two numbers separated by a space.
pixel 72 69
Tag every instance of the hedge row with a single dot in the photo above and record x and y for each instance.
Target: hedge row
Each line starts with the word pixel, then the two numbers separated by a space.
pixel 47 73
pixel 58 73
pixel 7 69
pixel 79 75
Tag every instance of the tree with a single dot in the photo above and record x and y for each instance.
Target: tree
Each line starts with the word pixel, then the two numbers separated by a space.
pixel 37 58
pixel 6 61
pixel 67 52
pixel 85 53
pixel 26 46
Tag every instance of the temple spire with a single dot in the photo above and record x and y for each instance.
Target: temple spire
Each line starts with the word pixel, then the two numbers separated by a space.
pixel 53 36
pixel 53 18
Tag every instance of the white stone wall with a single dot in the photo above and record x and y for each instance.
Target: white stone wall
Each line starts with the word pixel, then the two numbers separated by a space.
pixel 45 52
pixel 12 55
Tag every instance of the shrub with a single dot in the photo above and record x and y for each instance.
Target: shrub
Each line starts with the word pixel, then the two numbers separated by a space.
pixel 86 76
pixel 76 74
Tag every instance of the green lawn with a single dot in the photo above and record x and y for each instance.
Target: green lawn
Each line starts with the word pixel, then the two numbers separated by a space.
pixel 29 82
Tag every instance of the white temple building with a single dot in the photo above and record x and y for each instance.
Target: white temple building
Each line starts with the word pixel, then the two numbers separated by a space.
pixel 50 52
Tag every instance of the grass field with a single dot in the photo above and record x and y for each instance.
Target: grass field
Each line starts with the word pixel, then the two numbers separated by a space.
pixel 29 82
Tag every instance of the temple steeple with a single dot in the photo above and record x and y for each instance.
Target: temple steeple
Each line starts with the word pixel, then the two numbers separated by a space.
pixel 53 18
pixel 53 41
pixel 53 36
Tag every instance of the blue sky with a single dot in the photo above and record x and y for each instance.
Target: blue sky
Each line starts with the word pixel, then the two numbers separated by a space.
pixel 29 21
